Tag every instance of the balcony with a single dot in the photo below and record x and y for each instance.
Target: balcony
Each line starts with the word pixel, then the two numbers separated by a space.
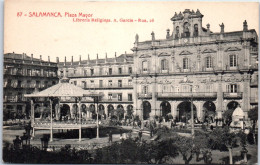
pixel 228 95
pixel 254 100
pixel 254 83
pixel 124 86
pixel 116 100
pixel 187 95
pixel 144 95
pixel 10 99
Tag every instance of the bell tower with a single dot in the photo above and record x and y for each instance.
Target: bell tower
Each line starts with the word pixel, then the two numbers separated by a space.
pixel 187 24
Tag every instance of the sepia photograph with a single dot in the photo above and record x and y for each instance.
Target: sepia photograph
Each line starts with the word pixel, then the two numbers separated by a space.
pixel 130 82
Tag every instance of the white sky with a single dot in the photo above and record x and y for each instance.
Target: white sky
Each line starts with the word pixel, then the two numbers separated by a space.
pixel 60 37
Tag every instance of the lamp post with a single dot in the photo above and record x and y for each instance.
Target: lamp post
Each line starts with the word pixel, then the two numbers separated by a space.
pixel 96 101
pixel 192 113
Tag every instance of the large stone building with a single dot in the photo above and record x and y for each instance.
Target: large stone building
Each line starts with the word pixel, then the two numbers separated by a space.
pixel 216 71
pixel 22 75
pixel 109 77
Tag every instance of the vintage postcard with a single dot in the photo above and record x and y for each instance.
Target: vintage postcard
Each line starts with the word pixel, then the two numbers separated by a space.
pixel 130 82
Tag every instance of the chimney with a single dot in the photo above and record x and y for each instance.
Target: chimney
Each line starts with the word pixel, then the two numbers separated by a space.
pixel 208 28
pixel 222 28
pixel 136 40
pixel 153 37
pixel 168 34
pixel 23 57
pixel 245 27
pixel 71 60
pixel 125 57
pixel 32 58
pixel 106 58
pixel 115 56
pixel 57 60
pixel 88 59
pixel 79 59
pixel 97 59
pixel 41 58
pixel 65 62
pixel 49 59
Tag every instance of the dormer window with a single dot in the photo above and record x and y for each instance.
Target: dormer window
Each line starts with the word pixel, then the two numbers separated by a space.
pixel 185 63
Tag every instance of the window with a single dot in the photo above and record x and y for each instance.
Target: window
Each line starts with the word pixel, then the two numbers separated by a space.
pixel 110 71
pixel 74 71
pixel 186 88
pixel 120 83
pixel 84 84
pixel 110 96
pixel 130 83
pixel 92 84
pixel 130 98
pixel 110 83
pixel 208 62
pixel 232 60
pixel 145 89
pixel 91 72
pixel 177 32
pixel 37 84
pixel 164 64
pixel 232 88
pixel 196 31
pixel 185 63
pixel 119 96
pixel 130 70
pixel 29 72
pixel 186 31
pixel 145 65
pixel 100 71
pixel 85 72
pixel 119 70
pixel 100 83
pixel 75 82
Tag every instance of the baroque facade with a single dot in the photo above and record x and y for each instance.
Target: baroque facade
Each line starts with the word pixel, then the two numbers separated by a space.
pixel 215 71
pixel 22 75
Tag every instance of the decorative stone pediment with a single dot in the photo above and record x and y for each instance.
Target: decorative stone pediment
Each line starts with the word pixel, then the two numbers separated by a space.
pixel 209 51
pixel 185 52
pixel 230 49
pixel 163 54
pixel 145 56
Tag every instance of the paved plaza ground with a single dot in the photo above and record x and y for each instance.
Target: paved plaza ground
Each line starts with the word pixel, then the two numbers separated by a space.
pixel 218 157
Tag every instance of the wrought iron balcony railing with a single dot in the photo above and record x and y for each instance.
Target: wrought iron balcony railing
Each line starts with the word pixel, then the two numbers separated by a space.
pixel 229 95
pixel 187 94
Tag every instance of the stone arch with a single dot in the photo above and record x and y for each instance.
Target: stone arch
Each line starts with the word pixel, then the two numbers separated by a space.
pixel 146 109
pixel 165 108
pixel 110 108
pixel 129 110
pixel 232 105
pixel 184 111
pixel 101 109
pixel 209 111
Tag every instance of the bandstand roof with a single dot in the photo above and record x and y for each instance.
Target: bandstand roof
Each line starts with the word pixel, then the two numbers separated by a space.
pixel 62 89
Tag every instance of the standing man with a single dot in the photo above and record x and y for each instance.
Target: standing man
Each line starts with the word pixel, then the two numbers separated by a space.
pixel 140 135
pixel 110 136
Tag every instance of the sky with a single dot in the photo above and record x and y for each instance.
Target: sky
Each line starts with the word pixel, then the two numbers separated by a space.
pixel 61 36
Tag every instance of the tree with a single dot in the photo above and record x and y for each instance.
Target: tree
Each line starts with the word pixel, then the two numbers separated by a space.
pixel 119 113
pixel 253 115
pixel 185 147
pixel 223 137
pixel 227 115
